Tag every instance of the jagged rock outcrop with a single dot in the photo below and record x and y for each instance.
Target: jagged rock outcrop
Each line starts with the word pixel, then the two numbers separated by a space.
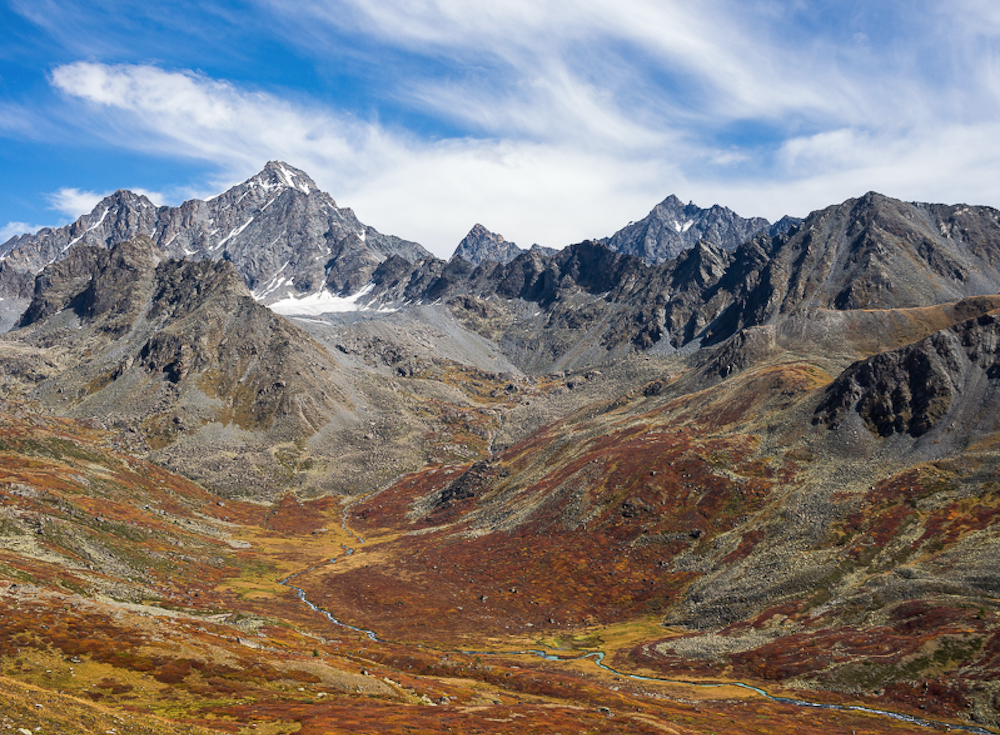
pixel 467 485
pixel 672 227
pixel 109 285
pixel 911 389
pixel 481 244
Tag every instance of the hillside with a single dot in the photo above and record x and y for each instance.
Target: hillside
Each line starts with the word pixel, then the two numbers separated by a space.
pixel 760 537
pixel 209 383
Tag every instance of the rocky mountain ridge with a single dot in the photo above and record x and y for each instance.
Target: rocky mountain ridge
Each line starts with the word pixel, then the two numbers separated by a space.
pixel 672 227
pixel 481 244
pixel 284 236
pixel 586 302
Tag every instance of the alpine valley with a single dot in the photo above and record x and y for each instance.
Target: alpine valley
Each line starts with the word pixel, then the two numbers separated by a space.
pixel 264 469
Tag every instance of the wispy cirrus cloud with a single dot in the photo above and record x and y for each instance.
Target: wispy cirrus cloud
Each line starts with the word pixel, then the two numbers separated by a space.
pixel 668 60
pixel 421 189
pixel 555 121
pixel 72 202
pixel 193 115
pixel 750 85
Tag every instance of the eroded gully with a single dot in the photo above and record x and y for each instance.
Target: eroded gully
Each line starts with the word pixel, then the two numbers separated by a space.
pixel 598 658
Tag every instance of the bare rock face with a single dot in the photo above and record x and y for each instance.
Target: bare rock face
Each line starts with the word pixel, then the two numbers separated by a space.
pixel 868 253
pixel 672 227
pixel 910 390
pixel 481 244
pixel 97 284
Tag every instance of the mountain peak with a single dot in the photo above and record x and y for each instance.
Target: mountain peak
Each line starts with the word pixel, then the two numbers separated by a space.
pixel 479 231
pixel 672 227
pixel 481 244
pixel 122 197
pixel 279 173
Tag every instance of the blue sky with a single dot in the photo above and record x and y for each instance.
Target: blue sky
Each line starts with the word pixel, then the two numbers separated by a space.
pixel 548 122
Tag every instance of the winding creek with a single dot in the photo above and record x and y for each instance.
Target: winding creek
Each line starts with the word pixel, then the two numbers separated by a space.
pixel 598 658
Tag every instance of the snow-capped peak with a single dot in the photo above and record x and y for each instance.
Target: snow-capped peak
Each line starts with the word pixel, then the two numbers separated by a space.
pixel 281 174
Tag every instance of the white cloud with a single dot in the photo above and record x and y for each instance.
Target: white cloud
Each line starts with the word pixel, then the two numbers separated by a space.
pixel 429 191
pixel 577 117
pixel 949 164
pixel 13 229
pixel 716 51
pixel 529 193
pixel 189 114
pixel 14 119
pixel 72 202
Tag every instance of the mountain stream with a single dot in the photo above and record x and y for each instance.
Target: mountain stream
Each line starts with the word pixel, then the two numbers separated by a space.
pixel 598 658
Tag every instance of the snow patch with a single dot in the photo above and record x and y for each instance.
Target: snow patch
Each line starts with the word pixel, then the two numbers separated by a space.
pixel 89 229
pixel 233 234
pixel 289 179
pixel 276 281
pixel 267 186
pixel 321 302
